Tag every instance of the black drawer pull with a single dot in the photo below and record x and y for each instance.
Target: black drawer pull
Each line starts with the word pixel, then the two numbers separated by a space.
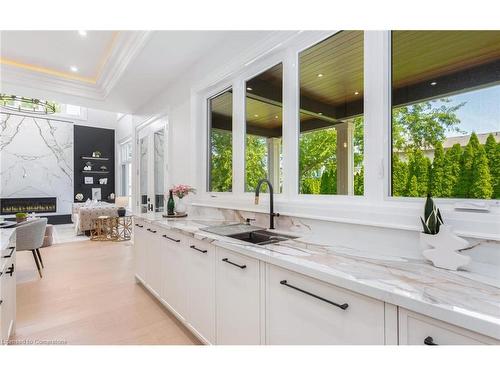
pixel 200 250
pixel 343 306
pixel 12 248
pixel 10 270
pixel 150 230
pixel 1 301
pixel 170 238
pixel 242 266
pixel 429 341
pixel 139 225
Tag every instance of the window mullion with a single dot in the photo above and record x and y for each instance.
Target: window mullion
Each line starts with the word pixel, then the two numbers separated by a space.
pixel 377 114
pixel 238 137
pixel 290 125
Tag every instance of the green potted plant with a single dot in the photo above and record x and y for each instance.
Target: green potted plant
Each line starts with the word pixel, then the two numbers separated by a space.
pixel 21 216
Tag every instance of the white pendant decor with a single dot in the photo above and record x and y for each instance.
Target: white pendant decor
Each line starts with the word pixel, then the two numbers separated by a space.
pixel 180 207
pixel 439 243
pixel 441 248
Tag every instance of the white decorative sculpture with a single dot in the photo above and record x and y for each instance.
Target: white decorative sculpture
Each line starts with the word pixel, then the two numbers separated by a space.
pixel 438 241
pixel 441 248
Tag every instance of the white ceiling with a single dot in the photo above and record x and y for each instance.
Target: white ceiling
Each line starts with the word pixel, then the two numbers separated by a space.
pixel 117 70
pixel 58 50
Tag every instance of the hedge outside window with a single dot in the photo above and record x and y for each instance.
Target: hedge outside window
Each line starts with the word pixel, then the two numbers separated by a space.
pixel 446 114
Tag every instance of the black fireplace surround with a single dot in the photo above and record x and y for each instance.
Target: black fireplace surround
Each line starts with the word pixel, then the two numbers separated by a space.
pixel 11 206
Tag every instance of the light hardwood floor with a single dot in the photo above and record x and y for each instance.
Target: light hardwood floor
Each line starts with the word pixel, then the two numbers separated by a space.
pixel 88 295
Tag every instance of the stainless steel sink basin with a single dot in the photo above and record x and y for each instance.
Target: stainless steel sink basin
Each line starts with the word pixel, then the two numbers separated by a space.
pixel 261 237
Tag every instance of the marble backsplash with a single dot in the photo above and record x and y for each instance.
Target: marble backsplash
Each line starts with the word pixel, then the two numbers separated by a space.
pixel 36 159
pixel 403 243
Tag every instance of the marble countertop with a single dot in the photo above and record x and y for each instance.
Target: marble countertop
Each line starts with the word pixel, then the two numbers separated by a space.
pixel 468 298
pixel 5 235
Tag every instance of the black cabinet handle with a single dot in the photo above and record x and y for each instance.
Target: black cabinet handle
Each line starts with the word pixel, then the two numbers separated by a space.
pixel 10 270
pixel 1 301
pixel 139 225
pixel 12 248
pixel 200 250
pixel 234 264
pixel 150 230
pixel 429 341
pixel 170 238
pixel 343 306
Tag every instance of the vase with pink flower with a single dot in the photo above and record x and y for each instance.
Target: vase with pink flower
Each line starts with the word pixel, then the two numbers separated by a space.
pixel 181 191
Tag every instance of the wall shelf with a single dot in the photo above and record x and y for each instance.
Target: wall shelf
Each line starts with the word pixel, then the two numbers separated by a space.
pixel 96 172
pixel 93 158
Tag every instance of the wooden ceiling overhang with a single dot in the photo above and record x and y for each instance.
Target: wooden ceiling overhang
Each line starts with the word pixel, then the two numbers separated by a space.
pixel 418 61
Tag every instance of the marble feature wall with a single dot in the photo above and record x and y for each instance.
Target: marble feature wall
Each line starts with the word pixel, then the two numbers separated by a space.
pixel 36 159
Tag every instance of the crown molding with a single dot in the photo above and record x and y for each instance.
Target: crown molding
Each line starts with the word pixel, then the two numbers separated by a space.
pixel 126 47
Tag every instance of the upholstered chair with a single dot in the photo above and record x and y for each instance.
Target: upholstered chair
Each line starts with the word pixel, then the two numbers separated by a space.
pixel 29 237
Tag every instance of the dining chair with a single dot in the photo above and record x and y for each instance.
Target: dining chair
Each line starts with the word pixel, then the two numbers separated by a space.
pixel 29 237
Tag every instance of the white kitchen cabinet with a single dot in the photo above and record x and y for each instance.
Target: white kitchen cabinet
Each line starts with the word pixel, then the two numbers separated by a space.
pixel 200 271
pixel 154 262
pixel 301 310
pixel 7 291
pixel 238 298
pixel 417 329
pixel 140 248
pixel 172 255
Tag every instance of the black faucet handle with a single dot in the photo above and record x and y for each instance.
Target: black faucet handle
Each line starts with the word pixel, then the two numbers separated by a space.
pixel 248 220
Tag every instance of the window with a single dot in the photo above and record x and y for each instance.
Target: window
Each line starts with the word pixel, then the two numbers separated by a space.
pixel 220 174
pixel 446 114
pixel 126 169
pixel 331 116
pixel 263 139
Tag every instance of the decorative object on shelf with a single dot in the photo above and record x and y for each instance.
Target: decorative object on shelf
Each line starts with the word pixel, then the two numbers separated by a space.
pixel 88 166
pixel 96 194
pixel 180 191
pixel 79 197
pixel 121 203
pixel 88 180
pixel 21 216
pixel 103 181
pixel 96 154
pixel 103 168
pixel 111 196
pixel 439 243
pixel 27 105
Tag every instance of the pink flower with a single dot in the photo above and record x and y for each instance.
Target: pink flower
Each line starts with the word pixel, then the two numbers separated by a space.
pixel 180 191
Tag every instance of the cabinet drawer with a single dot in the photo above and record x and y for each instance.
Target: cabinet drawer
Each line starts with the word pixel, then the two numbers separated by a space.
pixel 238 298
pixel 417 329
pixel 301 310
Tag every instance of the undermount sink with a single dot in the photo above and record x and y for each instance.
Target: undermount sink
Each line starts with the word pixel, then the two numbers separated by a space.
pixel 261 237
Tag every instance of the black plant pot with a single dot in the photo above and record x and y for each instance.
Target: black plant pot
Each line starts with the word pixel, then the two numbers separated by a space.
pixel 121 211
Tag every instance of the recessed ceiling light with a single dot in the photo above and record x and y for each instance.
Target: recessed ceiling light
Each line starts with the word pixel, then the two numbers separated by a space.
pixel 356 93
pixel 82 32
pixel 249 89
pixel 256 115
pixel 320 113
pixel 73 69
pixel 276 116
pixel 434 83
pixel 320 75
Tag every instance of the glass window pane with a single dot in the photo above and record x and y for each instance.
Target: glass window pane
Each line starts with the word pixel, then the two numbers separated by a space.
pixel 264 129
pixel 220 167
pixel 331 116
pixel 159 172
pixel 446 114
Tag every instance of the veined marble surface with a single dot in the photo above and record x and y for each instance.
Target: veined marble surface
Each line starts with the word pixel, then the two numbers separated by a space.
pixel 36 159
pixel 5 235
pixel 468 298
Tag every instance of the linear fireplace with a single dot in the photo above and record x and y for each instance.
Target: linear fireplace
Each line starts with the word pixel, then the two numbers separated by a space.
pixel 9 206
